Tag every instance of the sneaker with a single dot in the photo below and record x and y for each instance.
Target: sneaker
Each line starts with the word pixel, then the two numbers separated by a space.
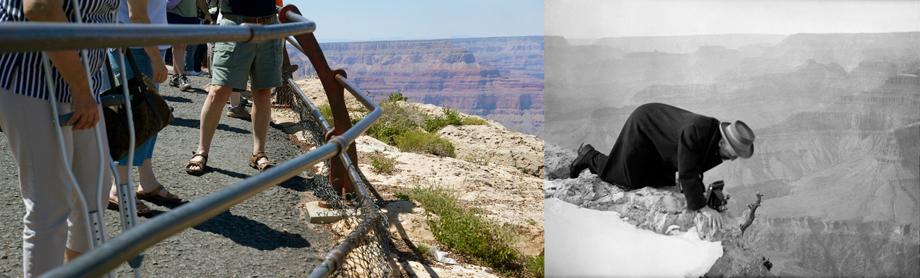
pixel 183 83
pixel 174 81
pixel 193 73
pixel 238 112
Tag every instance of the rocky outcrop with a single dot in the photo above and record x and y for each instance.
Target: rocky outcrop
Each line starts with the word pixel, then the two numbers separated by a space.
pixel 496 170
pixel 659 210
pixel 492 144
pixel 497 78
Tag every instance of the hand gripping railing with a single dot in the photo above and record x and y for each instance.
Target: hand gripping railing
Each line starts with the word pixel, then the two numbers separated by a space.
pixel 99 261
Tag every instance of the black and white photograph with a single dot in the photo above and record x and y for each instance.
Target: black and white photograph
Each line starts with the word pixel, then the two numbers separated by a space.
pixel 732 138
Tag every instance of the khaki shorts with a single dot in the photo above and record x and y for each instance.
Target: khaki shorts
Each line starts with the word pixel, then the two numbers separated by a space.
pixel 235 62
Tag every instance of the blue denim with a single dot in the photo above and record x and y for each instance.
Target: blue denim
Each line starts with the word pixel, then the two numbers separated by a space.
pixel 144 151
pixel 190 52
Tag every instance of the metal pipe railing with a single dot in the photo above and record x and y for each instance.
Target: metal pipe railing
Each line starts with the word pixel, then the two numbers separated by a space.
pixel 36 37
pixel 128 244
pixel 22 37
pixel 99 261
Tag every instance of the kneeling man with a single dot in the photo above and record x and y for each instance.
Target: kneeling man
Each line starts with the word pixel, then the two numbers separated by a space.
pixel 659 140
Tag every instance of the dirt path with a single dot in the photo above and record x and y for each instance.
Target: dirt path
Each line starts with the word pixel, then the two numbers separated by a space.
pixel 264 236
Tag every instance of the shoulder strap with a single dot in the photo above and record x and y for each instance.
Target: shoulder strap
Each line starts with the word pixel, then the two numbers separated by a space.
pixel 108 69
pixel 131 62
pixel 137 72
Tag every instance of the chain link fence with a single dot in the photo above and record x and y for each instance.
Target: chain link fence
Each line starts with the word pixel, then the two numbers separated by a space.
pixel 368 253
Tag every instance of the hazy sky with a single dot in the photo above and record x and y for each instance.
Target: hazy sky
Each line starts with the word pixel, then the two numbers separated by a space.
pixel 363 20
pixel 616 18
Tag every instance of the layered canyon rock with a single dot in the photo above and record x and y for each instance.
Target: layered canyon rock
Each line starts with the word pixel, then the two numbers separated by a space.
pixel 838 130
pixel 497 78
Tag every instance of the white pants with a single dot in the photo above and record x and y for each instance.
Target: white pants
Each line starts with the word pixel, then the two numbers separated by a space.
pixel 53 215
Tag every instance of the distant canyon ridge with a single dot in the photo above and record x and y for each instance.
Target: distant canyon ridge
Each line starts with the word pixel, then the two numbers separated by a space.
pixel 837 119
pixel 497 78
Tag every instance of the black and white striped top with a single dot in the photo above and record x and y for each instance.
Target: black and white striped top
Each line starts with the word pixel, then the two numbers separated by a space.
pixel 22 73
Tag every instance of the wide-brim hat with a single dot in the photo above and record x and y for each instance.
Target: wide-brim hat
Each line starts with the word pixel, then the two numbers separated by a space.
pixel 740 137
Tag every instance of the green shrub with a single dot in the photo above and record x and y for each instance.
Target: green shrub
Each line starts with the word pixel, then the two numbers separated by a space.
pixel 396 120
pixel 401 195
pixel 473 121
pixel 382 164
pixel 450 117
pixel 535 266
pixel 396 96
pixel 419 141
pixel 465 231
pixel 326 111
pixel 424 250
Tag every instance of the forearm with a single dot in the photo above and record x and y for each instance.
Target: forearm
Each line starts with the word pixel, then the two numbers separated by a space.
pixel 693 188
pixel 154 54
pixel 203 6
pixel 137 11
pixel 67 62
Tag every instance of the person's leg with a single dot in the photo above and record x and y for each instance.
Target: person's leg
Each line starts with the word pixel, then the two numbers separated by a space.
pixel 236 109
pixel 190 52
pixel 148 179
pixel 230 68
pixel 210 116
pixel 265 76
pixel 178 52
pixel 235 99
pixel 87 159
pixel 261 117
pixel 43 182
pixel 596 161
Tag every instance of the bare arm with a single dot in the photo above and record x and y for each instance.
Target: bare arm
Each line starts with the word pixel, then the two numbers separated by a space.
pixel 137 11
pixel 203 6
pixel 67 63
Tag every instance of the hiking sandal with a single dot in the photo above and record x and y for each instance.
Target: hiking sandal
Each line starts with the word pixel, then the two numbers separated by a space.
pixel 141 209
pixel 254 162
pixel 159 196
pixel 199 164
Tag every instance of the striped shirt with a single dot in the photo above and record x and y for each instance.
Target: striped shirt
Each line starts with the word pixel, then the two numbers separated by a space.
pixel 22 72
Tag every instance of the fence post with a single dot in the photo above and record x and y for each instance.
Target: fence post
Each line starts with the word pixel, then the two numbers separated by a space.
pixel 335 92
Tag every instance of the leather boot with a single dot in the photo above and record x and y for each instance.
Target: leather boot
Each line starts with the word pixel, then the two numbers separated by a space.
pixel 581 161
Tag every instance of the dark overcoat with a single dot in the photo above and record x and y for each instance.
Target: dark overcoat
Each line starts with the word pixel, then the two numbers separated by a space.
pixel 659 140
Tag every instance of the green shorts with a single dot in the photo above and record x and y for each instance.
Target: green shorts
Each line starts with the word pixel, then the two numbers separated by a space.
pixel 235 62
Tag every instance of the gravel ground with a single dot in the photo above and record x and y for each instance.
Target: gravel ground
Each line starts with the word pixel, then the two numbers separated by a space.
pixel 265 236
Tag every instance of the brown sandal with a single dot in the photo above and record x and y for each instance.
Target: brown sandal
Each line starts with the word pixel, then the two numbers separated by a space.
pixel 254 162
pixel 141 209
pixel 200 164
pixel 156 197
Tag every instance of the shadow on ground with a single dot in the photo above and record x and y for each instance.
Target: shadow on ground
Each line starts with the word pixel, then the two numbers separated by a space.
pixel 190 123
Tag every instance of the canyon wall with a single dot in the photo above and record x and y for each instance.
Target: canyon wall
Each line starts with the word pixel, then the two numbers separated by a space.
pixel 837 119
pixel 497 78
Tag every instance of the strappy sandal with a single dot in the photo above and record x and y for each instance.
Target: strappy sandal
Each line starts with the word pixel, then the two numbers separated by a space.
pixel 157 197
pixel 201 165
pixel 254 162
pixel 141 209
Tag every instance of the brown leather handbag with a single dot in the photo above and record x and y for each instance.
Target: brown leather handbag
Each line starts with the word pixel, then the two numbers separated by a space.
pixel 149 110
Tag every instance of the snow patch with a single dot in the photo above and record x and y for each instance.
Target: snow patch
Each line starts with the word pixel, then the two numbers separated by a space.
pixel 585 242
